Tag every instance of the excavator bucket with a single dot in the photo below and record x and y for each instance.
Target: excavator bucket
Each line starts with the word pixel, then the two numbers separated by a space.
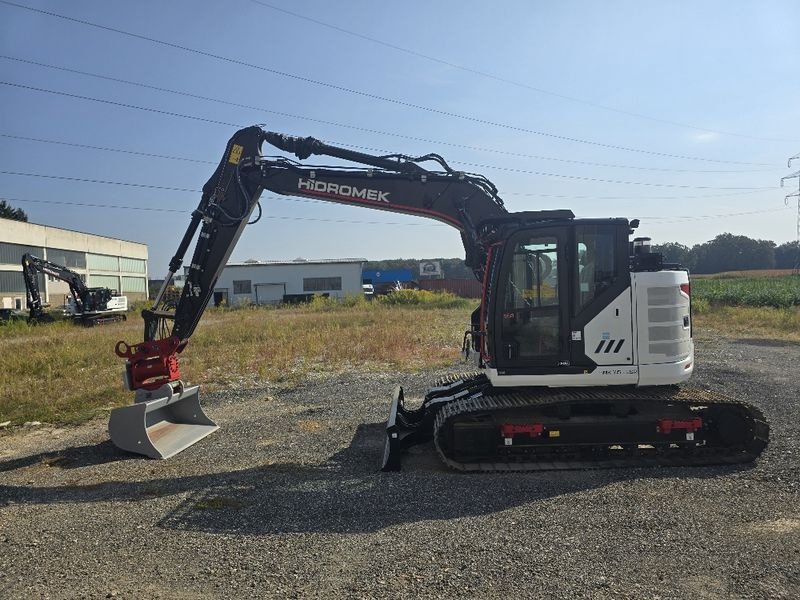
pixel 160 423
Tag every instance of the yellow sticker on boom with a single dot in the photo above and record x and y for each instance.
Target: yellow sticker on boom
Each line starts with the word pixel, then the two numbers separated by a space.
pixel 554 433
pixel 236 154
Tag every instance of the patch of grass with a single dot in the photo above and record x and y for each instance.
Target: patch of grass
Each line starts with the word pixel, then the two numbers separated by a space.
pixel 747 322
pixel 59 373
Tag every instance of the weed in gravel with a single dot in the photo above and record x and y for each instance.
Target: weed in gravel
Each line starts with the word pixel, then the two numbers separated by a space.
pixel 307 426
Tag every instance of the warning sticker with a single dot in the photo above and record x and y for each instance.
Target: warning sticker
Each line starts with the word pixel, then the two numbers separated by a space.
pixel 236 154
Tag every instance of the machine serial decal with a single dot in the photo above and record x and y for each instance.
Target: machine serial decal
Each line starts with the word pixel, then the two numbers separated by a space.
pixel 618 371
pixel 342 190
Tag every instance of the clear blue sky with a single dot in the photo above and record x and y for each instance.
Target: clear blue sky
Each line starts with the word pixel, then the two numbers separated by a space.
pixel 722 67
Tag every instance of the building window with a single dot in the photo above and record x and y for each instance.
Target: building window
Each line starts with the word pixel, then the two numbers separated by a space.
pixel 135 285
pixel 11 254
pixel 132 265
pixel 107 281
pixel 242 287
pixel 53 279
pixel 67 258
pixel 13 282
pixel 322 284
pixel 102 262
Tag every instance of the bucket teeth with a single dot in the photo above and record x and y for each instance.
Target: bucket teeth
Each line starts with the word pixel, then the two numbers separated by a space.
pixel 161 423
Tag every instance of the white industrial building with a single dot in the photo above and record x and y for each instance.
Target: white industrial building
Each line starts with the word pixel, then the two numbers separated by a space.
pixel 101 261
pixel 272 282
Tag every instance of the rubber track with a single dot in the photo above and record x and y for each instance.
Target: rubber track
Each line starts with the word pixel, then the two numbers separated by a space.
pixel 540 397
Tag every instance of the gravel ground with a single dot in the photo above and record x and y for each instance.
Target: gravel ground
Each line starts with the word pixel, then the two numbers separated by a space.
pixel 286 501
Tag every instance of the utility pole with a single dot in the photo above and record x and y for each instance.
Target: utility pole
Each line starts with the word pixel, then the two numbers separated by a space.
pixel 796 269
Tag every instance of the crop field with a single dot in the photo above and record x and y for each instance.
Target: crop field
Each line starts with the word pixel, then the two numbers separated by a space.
pixel 746 274
pixel 757 291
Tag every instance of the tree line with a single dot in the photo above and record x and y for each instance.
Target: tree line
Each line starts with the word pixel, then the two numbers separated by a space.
pixel 728 252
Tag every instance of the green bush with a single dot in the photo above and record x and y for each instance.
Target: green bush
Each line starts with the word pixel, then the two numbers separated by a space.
pixel 424 298
pixel 320 302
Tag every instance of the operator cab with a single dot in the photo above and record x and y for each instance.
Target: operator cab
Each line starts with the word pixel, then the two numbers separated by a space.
pixel 561 302
pixel 553 280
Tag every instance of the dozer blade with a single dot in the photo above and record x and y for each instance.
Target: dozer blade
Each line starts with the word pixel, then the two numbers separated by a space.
pixel 404 428
pixel 161 423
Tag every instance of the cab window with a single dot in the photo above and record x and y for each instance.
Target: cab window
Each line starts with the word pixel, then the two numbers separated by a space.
pixel 530 323
pixel 597 262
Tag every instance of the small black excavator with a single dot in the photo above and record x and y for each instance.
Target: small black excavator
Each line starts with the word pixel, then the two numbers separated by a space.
pixel 581 336
pixel 87 306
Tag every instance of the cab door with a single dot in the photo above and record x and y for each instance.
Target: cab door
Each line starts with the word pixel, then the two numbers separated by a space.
pixel 531 312
pixel 601 316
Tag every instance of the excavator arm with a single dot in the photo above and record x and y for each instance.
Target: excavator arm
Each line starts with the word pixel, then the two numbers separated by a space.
pixel 395 183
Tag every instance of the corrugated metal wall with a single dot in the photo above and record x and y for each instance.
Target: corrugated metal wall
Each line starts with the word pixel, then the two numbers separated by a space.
pixel 465 288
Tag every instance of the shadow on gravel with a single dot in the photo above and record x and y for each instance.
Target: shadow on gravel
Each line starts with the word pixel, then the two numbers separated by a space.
pixel 71 458
pixel 347 494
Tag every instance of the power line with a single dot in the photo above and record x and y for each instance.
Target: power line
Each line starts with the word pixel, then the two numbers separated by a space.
pixel 94 205
pixel 100 181
pixel 209 162
pixel 120 104
pixel 572 161
pixel 369 95
pixel 364 129
pixel 572 177
pixel 511 81
pixel 686 218
pixel 186 212
pixel 105 149
pixel 680 218
pixel 585 197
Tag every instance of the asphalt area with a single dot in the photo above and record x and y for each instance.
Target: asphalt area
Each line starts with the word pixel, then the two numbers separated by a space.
pixel 286 500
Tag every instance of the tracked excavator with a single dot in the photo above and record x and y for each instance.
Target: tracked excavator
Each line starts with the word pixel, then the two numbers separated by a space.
pixel 87 306
pixel 582 339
